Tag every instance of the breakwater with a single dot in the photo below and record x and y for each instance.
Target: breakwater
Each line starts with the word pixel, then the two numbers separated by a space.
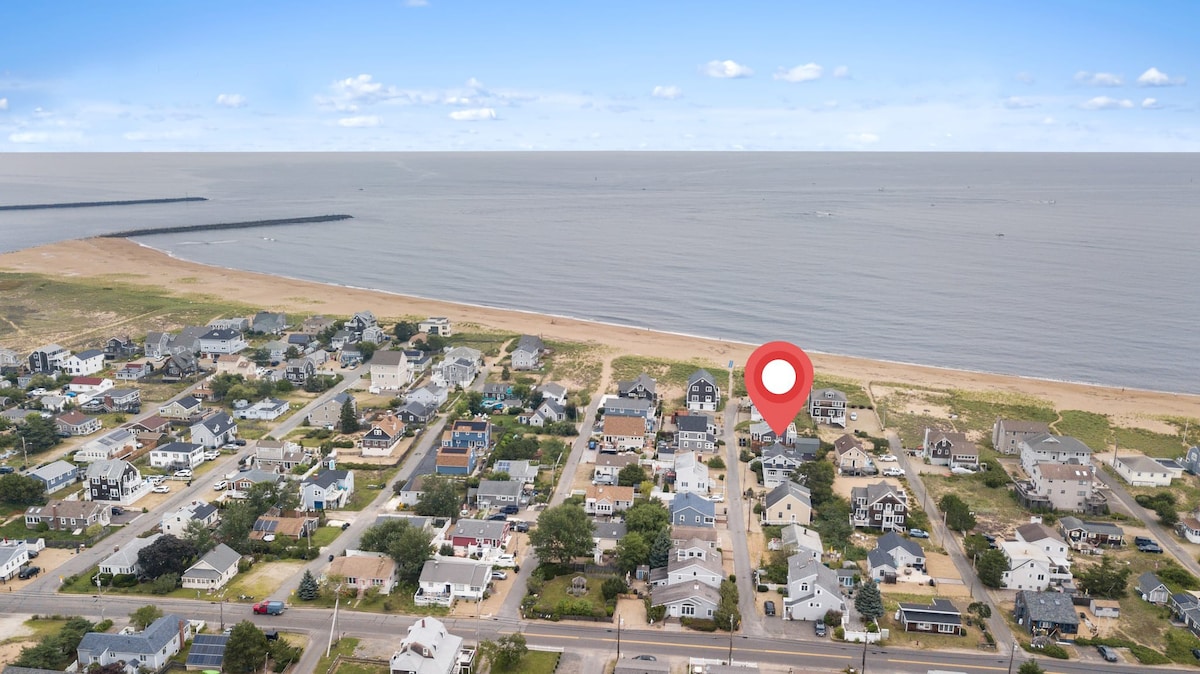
pixel 146 231
pixel 93 204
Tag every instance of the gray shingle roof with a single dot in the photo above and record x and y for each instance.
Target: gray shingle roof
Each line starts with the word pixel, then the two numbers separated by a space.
pixel 111 469
pixel 1053 607
pixel 693 423
pixel 892 540
pixel 1148 582
pixel 328 478
pixel 788 487
pixel 221 558
pixel 455 571
pixel 701 374
pixel 149 642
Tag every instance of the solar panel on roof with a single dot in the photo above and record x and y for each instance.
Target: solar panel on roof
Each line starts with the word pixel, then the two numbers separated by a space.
pixel 208 650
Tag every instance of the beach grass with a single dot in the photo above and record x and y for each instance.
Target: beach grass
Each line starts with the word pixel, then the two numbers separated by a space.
pixel 575 362
pixel 991 505
pixel 38 308
pixel 672 373
pixel 1098 432
pixel 856 393
pixel 487 341
pixel 1088 427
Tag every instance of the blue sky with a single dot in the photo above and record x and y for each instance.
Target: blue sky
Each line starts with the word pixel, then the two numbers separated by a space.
pixel 446 75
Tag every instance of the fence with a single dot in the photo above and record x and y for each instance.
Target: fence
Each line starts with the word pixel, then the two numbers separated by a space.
pixel 339 659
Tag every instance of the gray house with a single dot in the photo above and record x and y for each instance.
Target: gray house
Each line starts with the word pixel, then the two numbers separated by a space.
pixel 329 413
pixel 151 648
pixel 499 493
pixel 56 475
pixel 692 509
pixel 214 431
pixel 527 355
pixel 1151 589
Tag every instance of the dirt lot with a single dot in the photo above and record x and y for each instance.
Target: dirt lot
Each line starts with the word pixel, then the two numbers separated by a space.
pixel 842 485
pixel 48 560
pixel 262 581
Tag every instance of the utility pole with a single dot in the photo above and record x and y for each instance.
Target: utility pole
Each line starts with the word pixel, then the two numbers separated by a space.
pixel 620 621
pixel 333 623
pixel 864 657
pixel 730 661
pixel 1012 656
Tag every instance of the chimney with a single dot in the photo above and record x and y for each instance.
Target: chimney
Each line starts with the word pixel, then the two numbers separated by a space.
pixel 182 633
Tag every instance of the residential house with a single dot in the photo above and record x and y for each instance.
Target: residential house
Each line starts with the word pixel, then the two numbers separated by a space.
pixel 1041 536
pixel 703 394
pixel 1185 608
pixel 180 365
pixel 373 334
pixel 13 555
pixel 134 371
pixel 76 423
pixel 124 561
pixel 177 455
pixel 56 475
pixel 687 600
pixel 605 536
pixel 1190 461
pixel 520 471
pixel 299 370
pixel 455 461
pixel 151 648
pixel 329 413
pixel 269 323
pixel 851 457
pixel 10 361
pixel 84 363
pixel 151 424
pixel 1151 589
pixel 276 350
pixel 1046 613
pixel 280 455
pixel 608 466
pixel 247 479
pixel 553 391
pixel 175 523
pixel 418 360
pixel 365 571
pixel 1189 528
pixel 119 443
pixel 1007 434
pixel 624 433
pixel 217 567
pixel 1069 487
pixel 214 431
pixel 1105 608
pixel 1140 470
pixel 498 493
pixel 127 400
pixel 474 433
pixel 429 394
pixel 275 524
pixel 239 323
pixel 944 448
pixel 630 407
pixel 693 563
pixel 459 367
pixel 267 409
pixel 89 386
pixel 494 392
pixel 1030 568
pixel 828 406
pixel 780 461
pixel 643 386
pixel 691 474
pixel 444 581
pixel 788 503
pixel 607 500
pixel 478 536
pixel 528 352
pixel 314 325
pixel 116 481
pixel 761 433
pixel 361 321
pixel 186 407
pixel 327 490
pixel 1044 447
pixel 548 412
pixel 939 617
pixel 68 515
pixel 343 340
pixel 813 590
pixel 695 432
pixel 303 342
pixel 412 490
pixel 157 345
pixel 390 371
pixel 49 359
pixel 436 325
pixel 121 347
pixel 430 649
pixel 691 509
pixel 222 341
pixel 416 413
pixel 799 540
pixel 881 505
pixel 893 554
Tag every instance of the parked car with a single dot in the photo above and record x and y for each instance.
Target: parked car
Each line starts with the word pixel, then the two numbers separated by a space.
pixel 505 561
pixel 893 472
pixel 1196 653
pixel 33 554
pixel 645 658
pixel 1144 540
pixel 769 608
pixel 854 416
pixel 162 489
pixel 183 473
pixel 499 575
pixel 888 458
pixel 28 572
pixel 117 510
pixel 157 479
pixel 5 470
pixel 918 533
pixel 220 486
pixel 521 526
pixel 1107 653
pixel 819 628
pixel 1150 547
pixel 510 509
pixel 498 517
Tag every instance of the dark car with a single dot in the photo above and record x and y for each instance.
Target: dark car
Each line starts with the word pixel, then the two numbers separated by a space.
pixel 498 517
pixel 1142 540
pixel 118 511
pixel 647 658
pixel 1196 653
pixel 5 470
pixel 29 572
pixel 769 608
pixel 1107 653
pixel 521 527
pixel 33 554
pixel 510 509
pixel 1150 547
pixel 819 628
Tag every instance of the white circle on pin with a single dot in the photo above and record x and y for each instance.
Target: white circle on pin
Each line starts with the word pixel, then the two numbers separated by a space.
pixel 778 376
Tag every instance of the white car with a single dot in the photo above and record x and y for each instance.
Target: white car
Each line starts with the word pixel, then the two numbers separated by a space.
pixel 505 561
pixel 212 456
pixel 183 473
pixel 156 479
pixel 221 486
pixel 893 472
pixel 887 458
pixel 961 470
pixel 162 489
pixel 854 416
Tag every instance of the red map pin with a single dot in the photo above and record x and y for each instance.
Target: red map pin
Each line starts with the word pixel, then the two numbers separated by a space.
pixel 779 377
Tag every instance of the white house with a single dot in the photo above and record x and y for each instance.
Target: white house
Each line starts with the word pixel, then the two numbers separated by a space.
pixel 1045 447
pixel 214 569
pixel 813 589
pixel 328 490
pixel 1030 568
pixel 124 561
pixel 84 362
pixel 687 600
pixel 446 580
pixel 527 355
pixel 390 370
pixel 267 409
pixel 222 341
pixel 430 649
pixel 691 474
pixel 115 444
pixel 177 455
pixel 1042 536
pixel 1142 471
pixel 151 648
pixel 214 431
pixel 13 555
pixel 175 523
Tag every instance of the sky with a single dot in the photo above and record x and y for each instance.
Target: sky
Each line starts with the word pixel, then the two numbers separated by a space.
pixel 446 75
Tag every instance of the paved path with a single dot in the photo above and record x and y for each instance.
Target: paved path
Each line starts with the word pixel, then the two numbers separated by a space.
pixel 1149 519
pixel 293 422
pixel 737 510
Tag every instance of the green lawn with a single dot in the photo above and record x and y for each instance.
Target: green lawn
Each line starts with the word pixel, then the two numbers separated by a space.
pixel 1097 432
pixel 989 504
pixel 554 592
pixel 974 411
pixel 535 662
pixel 1088 427
pixel 344 647
pixel 16 528
pixel 672 373
pixel 856 395
pixel 487 342
pixel 362 668
pixel 399 601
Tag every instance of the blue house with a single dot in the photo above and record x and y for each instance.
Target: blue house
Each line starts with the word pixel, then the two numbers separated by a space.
pixel 693 510
pixel 475 434
pixel 496 392
pixel 56 475
pixel 455 461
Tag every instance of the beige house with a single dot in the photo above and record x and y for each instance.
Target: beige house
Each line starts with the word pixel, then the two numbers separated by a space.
pixel 607 500
pixel 231 363
pixel 390 371
pixel 1067 486
pixel 789 503
pixel 852 458
pixel 1007 434
pixel 365 571
pixel 624 432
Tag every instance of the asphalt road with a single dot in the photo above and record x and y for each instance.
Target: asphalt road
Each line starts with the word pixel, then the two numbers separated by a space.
pixel 1164 537
pixel 736 510
pixel 293 422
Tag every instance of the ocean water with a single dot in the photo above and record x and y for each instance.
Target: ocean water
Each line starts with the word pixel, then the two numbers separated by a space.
pixel 1080 267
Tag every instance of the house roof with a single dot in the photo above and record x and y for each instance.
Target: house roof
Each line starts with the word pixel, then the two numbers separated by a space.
pixel 388 358
pixel 1070 523
pixel 111 469
pixel 787 488
pixel 1064 471
pixel 328 478
pixel 552 389
pixel 499 488
pixel 417 409
pixel 390 424
pixel 66 509
pixel 7 552
pixel 455 457
pixel 623 426
pixel 693 423
pixel 454 571
pixel 876 491
pixel 701 374
pixel 827 394
pixel 363 566
pixel 1148 582
pixel 220 558
pixel 178 447
pixel 630 666
pixel 804 566
pixel 940 611
pixel 87 381
pixel 1046 442
pixel 1018 426
pixel 646 381
pixel 1141 463
pixel 600 492
pixel 710 562
pixel 878 559
pixel 148 642
pixel 1036 531
pixel 530 344
pixel 151 422
pixel 609 530
pixel 127 555
pixel 218 423
pixel 794 535
pixel 221 333
pixel 616 460
pixel 52 471
pixel 687 533
pixel 256 476
pixel 488 529
pixel 847 442
pixel 892 540
pixel 89 353
pixel 692 500
pixel 1053 607
pixel 684 591
pixel 638 406
pixel 186 402
pixel 281 526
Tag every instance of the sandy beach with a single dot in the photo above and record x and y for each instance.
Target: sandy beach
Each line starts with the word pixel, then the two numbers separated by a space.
pixel 138 265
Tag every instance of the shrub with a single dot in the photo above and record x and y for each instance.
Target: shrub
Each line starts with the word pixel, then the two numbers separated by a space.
pixel 1147 655
pixel 839 633
pixel 611 587
pixel 716 462
pixel 700 624
pixel 103 626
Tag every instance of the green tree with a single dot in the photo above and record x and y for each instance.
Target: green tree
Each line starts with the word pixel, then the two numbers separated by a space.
pixel 958 513
pixel 563 533
pixel 727 616
pixel 237 519
pixel 145 615
pixel 367 349
pixel 261 357
pixel 1030 667
pixel 833 522
pixel 22 490
pixel 868 601
pixel 199 536
pixel 647 518
pixel 613 586
pixel 975 545
pixel 308 589
pixel 409 546
pixel 818 477
pixel 404 330
pixel 166 555
pixel 631 476
pixel 505 653
pixel 264 495
pixel 439 497
pixel 39 433
pixel 292 352
pixel 247 648
pixel 349 420
pixel 1105 579
pixel 632 552
pixel 991 566
pixel 660 549
pixel 505 375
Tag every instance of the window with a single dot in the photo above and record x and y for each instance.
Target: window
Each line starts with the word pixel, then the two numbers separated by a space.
pixel 946 629
pixel 687 609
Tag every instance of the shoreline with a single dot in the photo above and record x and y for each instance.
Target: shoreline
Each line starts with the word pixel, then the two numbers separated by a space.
pixel 136 264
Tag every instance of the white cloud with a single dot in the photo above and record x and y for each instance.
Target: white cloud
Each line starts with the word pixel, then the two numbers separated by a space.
pixel 360 122
pixel 1024 78
pixel 1106 103
pixel 231 100
pixel 3 103
pixel 475 115
pixel 841 72
pixel 351 92
pixel 1157 78
pixel 669 92
pixel 863 138
pixel 1018 103
pixel 1150 104
pixel 1099 79
pixel 32 137
pixel 726 69
pixel 804 73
